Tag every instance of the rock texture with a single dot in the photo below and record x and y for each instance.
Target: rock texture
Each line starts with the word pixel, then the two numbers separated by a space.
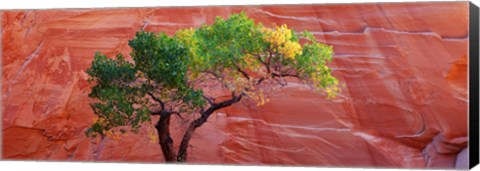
pixel 404 103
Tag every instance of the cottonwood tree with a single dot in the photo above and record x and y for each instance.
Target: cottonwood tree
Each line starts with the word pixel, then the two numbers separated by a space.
pixel 174 75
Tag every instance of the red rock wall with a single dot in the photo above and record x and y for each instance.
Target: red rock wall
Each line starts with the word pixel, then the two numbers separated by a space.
pixel 404 103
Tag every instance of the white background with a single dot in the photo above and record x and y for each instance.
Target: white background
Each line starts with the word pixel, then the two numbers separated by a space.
pixel 81 166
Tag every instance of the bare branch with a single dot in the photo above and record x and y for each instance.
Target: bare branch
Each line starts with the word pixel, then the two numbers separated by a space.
pixel 270 52
pixel 209 100
pixel 179 115
pixel 223 104
pixel 260 81
pixel 242 72
pixel 284 75
pixel 259 58
pixel 218 77
pixel 157 100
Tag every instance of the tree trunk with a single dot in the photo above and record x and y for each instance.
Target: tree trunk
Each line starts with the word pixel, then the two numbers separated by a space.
pixel 182 150
pixel 166 142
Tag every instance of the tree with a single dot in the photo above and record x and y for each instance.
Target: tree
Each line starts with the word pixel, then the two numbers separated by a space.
pixel 170 75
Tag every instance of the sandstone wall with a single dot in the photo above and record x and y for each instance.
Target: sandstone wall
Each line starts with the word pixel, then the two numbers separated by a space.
pixel 404 103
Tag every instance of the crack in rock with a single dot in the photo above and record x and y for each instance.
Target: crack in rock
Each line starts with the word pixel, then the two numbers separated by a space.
pixel 29 59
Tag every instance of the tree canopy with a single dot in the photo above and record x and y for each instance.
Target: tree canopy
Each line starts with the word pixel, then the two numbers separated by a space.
pixel 174 74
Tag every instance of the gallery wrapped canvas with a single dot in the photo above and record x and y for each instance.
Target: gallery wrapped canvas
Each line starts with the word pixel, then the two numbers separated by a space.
pixel 327 85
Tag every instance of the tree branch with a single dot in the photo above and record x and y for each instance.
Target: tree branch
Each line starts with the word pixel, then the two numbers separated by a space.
pixel 223 104
pixel 260 81
pixel 182 150
pixel 259 58
pixel 157 100
pixel 209 100
pixel 164 112
pixel 242 72
pixel 284 75
pixel 269 58
pixel 218 77
pixel 179 115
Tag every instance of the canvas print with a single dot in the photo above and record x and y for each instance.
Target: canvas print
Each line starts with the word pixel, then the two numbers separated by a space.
pixel 325 85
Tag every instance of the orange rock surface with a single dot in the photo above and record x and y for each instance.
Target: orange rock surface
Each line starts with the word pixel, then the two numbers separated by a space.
pixel 404 103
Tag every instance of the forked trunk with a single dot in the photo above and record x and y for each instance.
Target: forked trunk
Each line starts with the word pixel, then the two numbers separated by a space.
pixel 166 142
pixel 163 129
pixel 182 150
